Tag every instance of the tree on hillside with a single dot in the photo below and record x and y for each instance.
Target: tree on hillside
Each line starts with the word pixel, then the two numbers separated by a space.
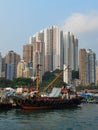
pixel 5 83
pixel 49 77
pixel 22 81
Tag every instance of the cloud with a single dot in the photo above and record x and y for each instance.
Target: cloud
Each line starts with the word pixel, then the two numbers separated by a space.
pixel 85 28
pixel 80 23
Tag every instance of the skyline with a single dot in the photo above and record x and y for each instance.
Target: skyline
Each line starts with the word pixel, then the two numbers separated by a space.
pixel 22 19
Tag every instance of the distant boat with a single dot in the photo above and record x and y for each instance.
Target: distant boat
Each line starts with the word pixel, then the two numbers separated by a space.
pixel 5 105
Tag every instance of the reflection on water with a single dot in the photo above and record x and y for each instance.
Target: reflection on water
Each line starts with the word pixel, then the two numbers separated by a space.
pixel 82 118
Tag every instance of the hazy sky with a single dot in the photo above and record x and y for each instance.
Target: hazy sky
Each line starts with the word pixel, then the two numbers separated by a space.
pixel 19 19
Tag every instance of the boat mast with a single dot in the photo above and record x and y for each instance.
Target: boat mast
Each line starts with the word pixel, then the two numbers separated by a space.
pixel 37 80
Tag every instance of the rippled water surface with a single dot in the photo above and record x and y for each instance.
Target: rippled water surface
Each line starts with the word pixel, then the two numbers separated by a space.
pixel 82 118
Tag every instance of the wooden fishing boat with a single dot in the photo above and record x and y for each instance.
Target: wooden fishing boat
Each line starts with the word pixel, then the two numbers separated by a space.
pixel 48 103
pixel 39 102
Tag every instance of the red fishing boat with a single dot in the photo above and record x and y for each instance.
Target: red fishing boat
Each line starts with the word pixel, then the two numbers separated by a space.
pixel 49 103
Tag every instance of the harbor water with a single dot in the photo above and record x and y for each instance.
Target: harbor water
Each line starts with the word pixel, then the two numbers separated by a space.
pixel 84 117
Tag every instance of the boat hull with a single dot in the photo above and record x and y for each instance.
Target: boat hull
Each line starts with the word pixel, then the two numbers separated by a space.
pixel 48 103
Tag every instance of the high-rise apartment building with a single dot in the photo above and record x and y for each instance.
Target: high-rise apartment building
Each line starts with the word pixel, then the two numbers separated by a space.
pixel 82 66
pixel 34 53
pixel 87 66
pixel 38 37
pixel 20 68
pixel 61 50
pixel 11 61
pixel 3 67
pixel 70 49
pixel 91 58
pixel 0 65
pixel 97 72
pixel 76 64
pixel 52 48
pixel 51 38
pixel 38 58
pixel 28 53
